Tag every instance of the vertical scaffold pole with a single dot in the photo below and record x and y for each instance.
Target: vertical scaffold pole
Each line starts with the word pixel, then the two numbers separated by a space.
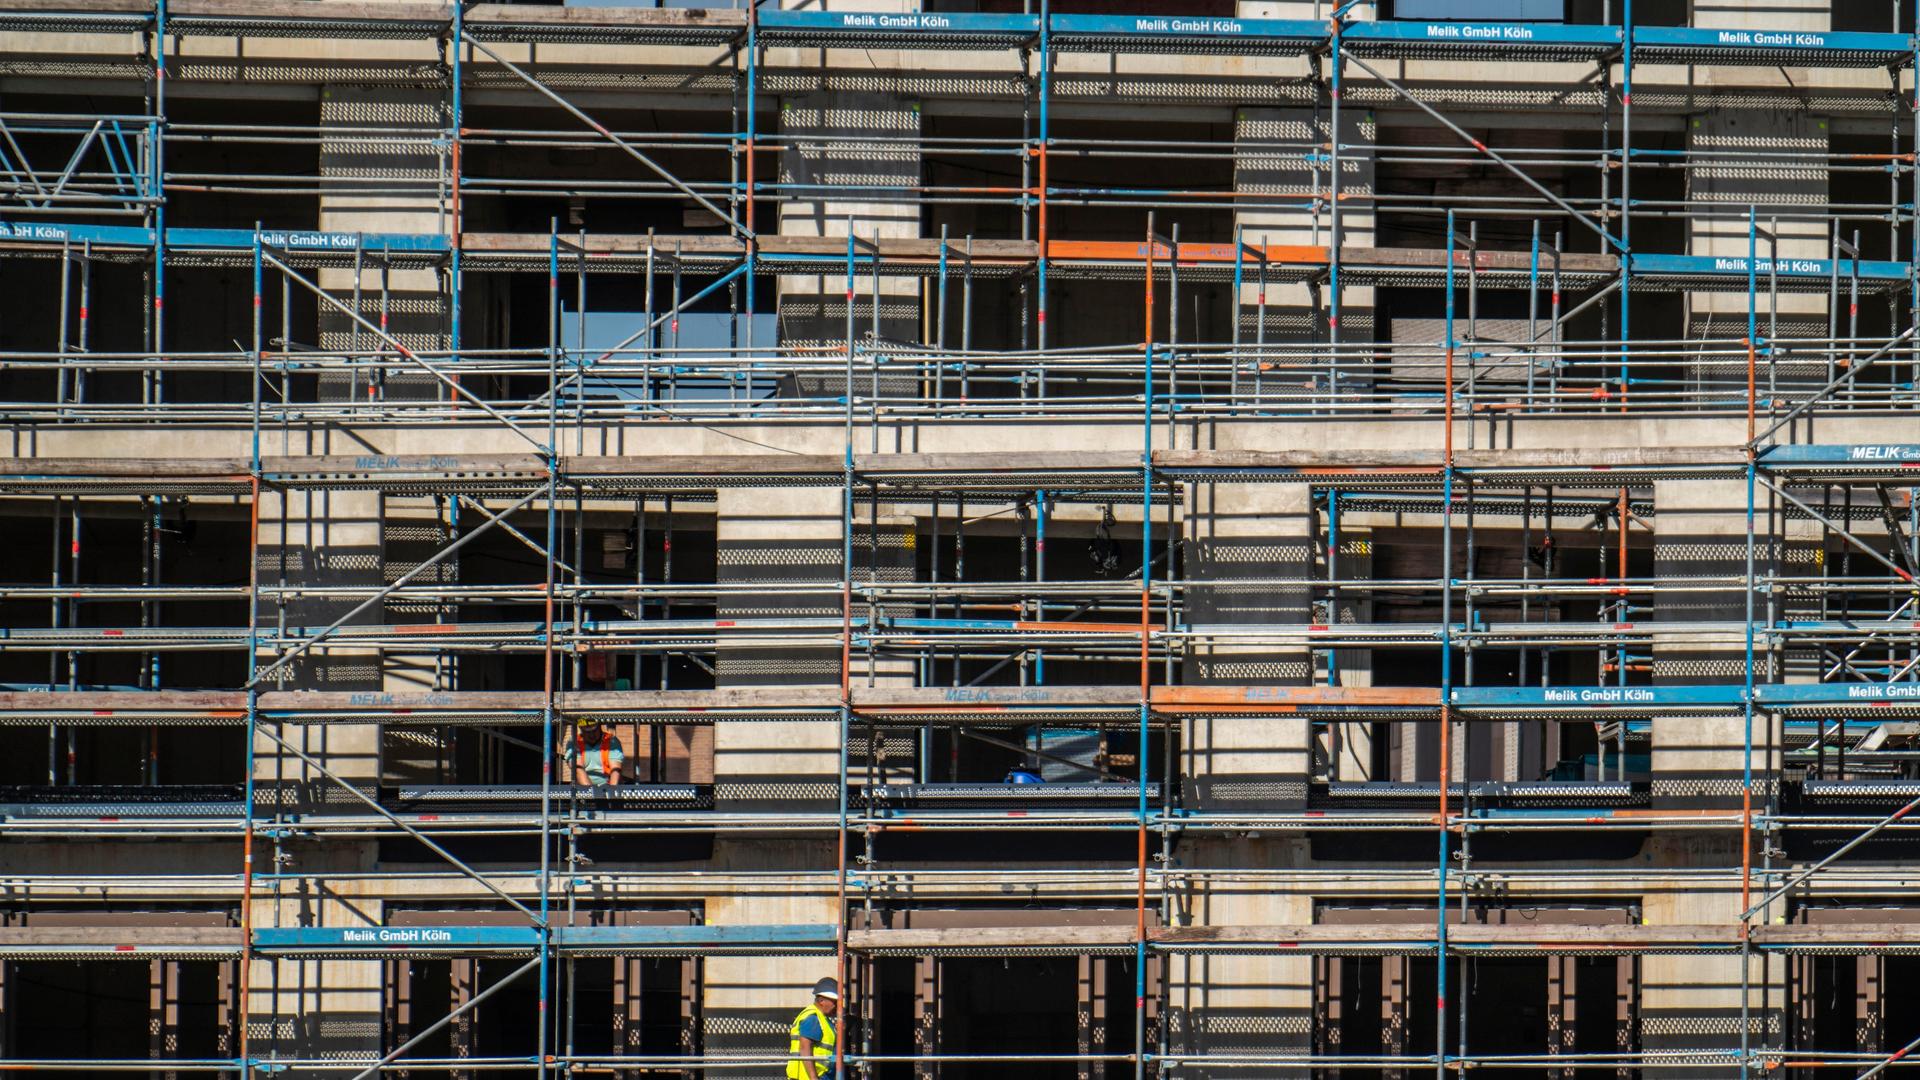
pixel 1046 80
pixel 1746 697
pixel 1446 677
pixel 547 651
pixel 1334 237
pixel 456 213
pixel 846 662
pixel 1146 636
pixel 157 165
pixel 1239 274
pixel 1753 316
pixel 1533 312
pixel 243 976
pixel 1039 575
pixel 1625 242
pixel 752 238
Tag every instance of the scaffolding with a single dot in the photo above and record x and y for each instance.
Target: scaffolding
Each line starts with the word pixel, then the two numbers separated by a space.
pixel 1808 649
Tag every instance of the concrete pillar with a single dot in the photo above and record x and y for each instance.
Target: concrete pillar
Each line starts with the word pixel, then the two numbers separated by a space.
pixel 785 536
pixel 1293 209
pixel 417 307
pixel 1299 210
pixel 813 308
pixel 1699 529
pixel 749 1002
pixel 1260 532
pixel 1250 1005
pixel 1694 1001
pixel 791 536
pixel 319 1009
pixel 1730 190
pixel 320 539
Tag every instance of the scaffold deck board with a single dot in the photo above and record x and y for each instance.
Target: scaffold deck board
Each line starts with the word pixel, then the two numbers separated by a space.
pixel 1392 938
pixel 1529 938
pixel 1343 460
pixel 1544 937
pixel 119 942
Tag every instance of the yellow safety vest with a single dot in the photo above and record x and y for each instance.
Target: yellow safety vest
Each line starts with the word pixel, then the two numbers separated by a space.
pixel 822 1050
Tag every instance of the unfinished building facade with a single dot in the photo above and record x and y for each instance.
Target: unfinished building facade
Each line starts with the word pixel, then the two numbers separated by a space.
pixel 1213 539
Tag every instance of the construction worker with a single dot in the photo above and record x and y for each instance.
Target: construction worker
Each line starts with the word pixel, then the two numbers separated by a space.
pixel 811 1038
pixel 595 756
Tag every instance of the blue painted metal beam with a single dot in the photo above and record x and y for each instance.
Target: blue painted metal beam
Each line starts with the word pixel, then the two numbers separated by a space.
pixel 1188 33
pixel 375 938
pixel 231 239
pixel 905 30
pixel 1597 39
pixel 380 939
pixel 1842 454
pixel 1596 697
pixel 1736 266
pixel 1719 696
pixel 1837 693
pixel 1681 44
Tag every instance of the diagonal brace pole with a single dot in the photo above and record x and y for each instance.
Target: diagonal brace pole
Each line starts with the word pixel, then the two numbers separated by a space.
pixel 1896 1056
pixel 579 370
pixel 26 166
pixel 1892 521
pixel 705 203
pixel 1044 756
pixel 403 826
pixel 1555 324
pixel 1838 381
pixel 374 1069
pixel 1862 545
pixel 387 591
pixel 1556 200
pixel 73 163
pixel 1803 875
pixel 511 531
pixel 446 380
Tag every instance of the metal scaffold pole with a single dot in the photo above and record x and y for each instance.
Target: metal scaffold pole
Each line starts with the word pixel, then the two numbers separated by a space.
pixel 378 696
pixel 1146 637
pixel 1446 681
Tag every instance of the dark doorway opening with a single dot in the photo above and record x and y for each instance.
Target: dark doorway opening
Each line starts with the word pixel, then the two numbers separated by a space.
pixel 116 1009
pixel 1009 1005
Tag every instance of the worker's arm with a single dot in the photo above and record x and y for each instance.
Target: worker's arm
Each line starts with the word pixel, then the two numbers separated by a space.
pixel 811 1032
pixel 616 761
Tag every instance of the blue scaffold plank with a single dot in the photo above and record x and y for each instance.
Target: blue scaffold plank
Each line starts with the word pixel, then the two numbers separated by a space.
pixel 767 938
pixel 1511 41
pixel 897 30
pixel 1736 266
pixel 1187 34
pixel 1902 454
pixel 308 240
pixel 47 232
pixel 223 239
pixel 1594 697
pixel 377 938
pixel 1811 695
pixel 1813 48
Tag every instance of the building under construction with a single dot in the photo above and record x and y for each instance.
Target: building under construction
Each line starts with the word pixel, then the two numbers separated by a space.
pixel 1201 539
